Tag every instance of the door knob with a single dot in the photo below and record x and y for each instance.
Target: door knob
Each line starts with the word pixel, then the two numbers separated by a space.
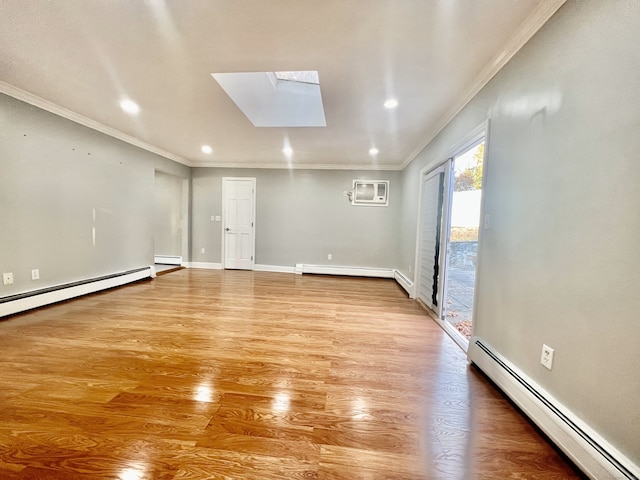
pixel 227 229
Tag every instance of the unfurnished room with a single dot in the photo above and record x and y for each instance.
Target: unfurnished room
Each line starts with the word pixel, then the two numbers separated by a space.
pixel 332 240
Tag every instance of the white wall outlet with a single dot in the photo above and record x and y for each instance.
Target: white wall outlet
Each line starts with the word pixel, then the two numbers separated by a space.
pixel 546 359
pixel 7 278
pixel 35 274
pixel 329 257
pixel 217 218
pixel 213 218
pixel 202 250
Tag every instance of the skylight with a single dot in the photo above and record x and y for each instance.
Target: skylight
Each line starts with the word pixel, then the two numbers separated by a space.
pixel 276 99
pixel 304 76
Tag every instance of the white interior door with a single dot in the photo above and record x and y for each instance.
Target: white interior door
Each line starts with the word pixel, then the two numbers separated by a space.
pixel 238 203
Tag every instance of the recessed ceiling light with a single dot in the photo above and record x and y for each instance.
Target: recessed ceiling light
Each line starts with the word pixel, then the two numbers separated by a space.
pixel 373 151
pixel 288 151
pixel 129 106
pixel 206 149
pixel 391 103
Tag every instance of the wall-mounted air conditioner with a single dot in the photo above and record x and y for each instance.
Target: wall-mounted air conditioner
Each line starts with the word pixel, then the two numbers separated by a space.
pixel 370 192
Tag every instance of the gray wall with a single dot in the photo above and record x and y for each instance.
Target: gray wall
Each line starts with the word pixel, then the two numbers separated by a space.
pixel 560 264
pixel 169 222
pixel 302 216
pixel 53 174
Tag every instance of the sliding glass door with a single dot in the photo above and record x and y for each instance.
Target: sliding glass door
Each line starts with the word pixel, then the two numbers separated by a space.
pixel 450 212
pixel 462 239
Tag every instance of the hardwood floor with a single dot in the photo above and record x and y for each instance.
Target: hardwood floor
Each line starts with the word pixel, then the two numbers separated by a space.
pixel 203 374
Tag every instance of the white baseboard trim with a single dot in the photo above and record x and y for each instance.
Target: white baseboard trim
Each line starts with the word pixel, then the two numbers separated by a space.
pixel 404 282
pixel 301 268
pixel 167 260
pixel 588 450
pixel 349 271
pixel 273 268
pixel 206 265
pixel 38 298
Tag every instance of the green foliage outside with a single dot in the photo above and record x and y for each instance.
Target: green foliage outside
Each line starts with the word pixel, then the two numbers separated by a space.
pixel 471 178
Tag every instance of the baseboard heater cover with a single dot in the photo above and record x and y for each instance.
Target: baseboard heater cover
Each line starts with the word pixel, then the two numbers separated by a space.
pixel 404 282
pixel 21 302
pixel 588 450
pixel 167 260
pixel 348 271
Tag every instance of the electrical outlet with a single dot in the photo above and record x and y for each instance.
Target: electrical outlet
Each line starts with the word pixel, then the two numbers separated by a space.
pixel 546 359
pixel 7 278
pixel 35 274
pixel 329 257
pixel 202 250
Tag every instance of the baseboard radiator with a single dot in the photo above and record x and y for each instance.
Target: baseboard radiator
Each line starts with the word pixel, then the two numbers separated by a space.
pixel 21 302
pixel 349 271
pixel 404 282
pixel 588 450
pixel 167 260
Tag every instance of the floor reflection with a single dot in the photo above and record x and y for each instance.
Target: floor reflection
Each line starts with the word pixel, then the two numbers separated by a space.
pixel 449 431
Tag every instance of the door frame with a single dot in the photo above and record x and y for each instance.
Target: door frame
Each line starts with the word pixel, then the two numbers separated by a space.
pixel 471 138
pixel 185 223
pixel 223 257
pixel 465 146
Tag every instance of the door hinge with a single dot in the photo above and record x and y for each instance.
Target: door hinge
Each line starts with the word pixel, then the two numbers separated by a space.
pixel 252 224
pixel 251 257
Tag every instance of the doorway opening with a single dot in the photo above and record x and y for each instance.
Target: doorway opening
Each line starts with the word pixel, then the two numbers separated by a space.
pixel 170 227
pixel 448 235
pixel 462 239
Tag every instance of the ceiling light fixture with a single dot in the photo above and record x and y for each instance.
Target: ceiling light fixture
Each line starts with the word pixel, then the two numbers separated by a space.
pixel 391 103
pixel 129 106
pixel 373 151
pixel 206 149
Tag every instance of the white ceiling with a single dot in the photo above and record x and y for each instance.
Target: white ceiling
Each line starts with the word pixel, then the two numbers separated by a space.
pixel 79 58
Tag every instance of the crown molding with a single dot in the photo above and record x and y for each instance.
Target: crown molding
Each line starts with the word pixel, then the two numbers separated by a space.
pixel 280 166
pixel 51 107
pixel 542 13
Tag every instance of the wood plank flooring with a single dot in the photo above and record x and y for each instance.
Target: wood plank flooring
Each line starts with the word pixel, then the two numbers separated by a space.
pixel 239 375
